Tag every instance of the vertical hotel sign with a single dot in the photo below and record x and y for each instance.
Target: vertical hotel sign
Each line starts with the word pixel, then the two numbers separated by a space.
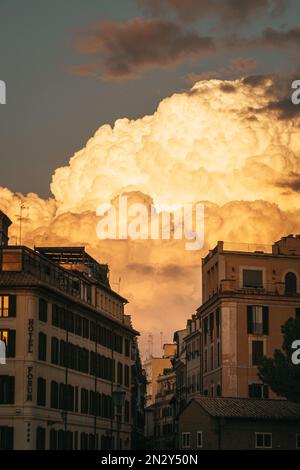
pixel 29 371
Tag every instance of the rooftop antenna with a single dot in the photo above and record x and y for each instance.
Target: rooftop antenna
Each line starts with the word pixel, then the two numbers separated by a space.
pixel 150 344
pixel 161 341
pixel 20 217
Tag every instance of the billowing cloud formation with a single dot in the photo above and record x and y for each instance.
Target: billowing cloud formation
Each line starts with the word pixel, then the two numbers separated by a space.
pixel 126 49
pixel 220 143
pixel 225 10
pixel 221 134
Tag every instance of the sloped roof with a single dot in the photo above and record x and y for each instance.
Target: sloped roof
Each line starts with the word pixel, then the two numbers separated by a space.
pixel 249 408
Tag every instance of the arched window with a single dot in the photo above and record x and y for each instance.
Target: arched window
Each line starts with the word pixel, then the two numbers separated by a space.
pixel 290 283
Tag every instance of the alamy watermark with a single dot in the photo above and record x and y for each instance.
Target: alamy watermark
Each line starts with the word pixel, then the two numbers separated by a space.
pixel 296 354
pixel 296 94
pixel 139 221
pixel 2 92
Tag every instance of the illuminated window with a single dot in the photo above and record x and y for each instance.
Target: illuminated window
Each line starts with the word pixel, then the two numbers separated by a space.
pixel 9 338
pixel 4 302
pixel 7 306
pixel 12 260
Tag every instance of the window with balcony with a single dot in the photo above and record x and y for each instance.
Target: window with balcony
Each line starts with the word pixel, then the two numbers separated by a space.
pixel 257 320
pixel 252 278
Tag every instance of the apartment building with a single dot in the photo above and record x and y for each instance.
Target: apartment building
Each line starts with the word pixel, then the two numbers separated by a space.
pixel 248 293
pixel 66 383
pixel 163 410
pixel 153 367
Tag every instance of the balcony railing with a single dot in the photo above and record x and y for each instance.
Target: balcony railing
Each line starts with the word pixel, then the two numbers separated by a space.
pixel 268 288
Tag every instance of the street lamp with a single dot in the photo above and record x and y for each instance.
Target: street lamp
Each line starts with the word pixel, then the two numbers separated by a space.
pixel 118 398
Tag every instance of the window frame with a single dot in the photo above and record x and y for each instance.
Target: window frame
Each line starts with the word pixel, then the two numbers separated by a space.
pixel 263 434
pixel 199 433
pixel 185 434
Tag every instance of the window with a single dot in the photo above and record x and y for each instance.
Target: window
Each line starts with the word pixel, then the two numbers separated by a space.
pixel 127 347
pixel 199 439
pixel 9 338
pixel 257 390
pixel 7 306
pixel 7 390
pixel 257 352
pixel 126 412
pixel 219 390
pixel 205 360
pixel 297 441
pixel 85 328
pixel 290 282
pixel 6 438
pixel 219 353
pixel 40 438
pixel 54 395
pixel 211 326
pixel 211 357
pixel 84 441
pixel 205 329
pixel 120 373
pixel 42 354
pixel 78 325
pixel 54 350
pixel 218 322
pixel 84 401
pixel 186 440
pixel 126 378
pixel 53 439
pixel 263 440
pixel 55 315
pixel 257 320
pixel 41 392
pixel 43 307
pixel 297 312
pixel 252 278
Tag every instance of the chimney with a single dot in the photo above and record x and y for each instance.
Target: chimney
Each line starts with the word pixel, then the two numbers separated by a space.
pixel 5 222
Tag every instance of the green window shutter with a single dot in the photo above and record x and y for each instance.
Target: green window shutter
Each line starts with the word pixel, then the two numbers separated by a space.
pixel 265 320
pixel 249 320
pixel 12 305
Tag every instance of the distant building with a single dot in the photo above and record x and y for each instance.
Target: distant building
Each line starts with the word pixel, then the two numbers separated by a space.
pixel 239 424
pixel 155 366
pixel 163 410
pixel 69 352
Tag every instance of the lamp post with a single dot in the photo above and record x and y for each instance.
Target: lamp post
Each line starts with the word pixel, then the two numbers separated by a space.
pixel 118 397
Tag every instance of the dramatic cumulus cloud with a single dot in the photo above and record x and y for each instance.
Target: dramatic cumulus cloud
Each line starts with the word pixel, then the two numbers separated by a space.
pixel 224 10
pixel 126 49
pixel 222 143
